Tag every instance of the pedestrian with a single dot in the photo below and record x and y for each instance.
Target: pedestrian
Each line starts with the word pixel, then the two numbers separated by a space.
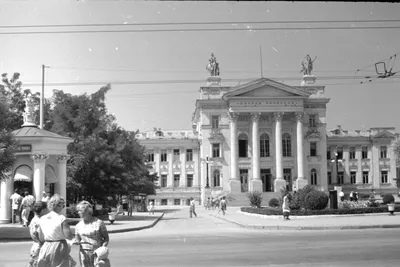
pixel 192 208
pixel 45 197
pixel 15 203
pixel 130 206
pixel 26 206
pixel 120 209
pixel 222 204
pixel 90 233
pixel 54 231
pixel 341 195
pixel 355 196
pixel 351 196
pixel 39 209
pixel 286 207
pixel 151 207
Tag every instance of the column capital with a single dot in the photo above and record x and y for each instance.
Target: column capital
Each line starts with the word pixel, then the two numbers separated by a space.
pixel 39 157
pixel 255 117
pixel 169 149
pixel 299 116
pixel 233 116
pixel 196 150
pixel 63 158
pixel 278 116
pixel 157 150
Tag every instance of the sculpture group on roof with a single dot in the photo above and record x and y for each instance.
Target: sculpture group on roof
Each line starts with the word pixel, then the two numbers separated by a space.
pixel 307 65
pixel 213 66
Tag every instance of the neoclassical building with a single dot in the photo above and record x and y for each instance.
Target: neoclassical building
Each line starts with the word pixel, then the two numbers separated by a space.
pixel 265 136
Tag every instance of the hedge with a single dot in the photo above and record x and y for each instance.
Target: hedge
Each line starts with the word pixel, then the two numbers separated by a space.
pixel 272 211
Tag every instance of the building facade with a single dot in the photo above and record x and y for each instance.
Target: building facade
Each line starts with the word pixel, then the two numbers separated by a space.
pixel 264 136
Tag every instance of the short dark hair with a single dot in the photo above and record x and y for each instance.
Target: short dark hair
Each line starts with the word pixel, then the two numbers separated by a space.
pixel 26 193
pixel 38 207
pixel 16 190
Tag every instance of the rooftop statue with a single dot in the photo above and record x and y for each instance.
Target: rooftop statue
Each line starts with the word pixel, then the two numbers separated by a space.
pixel 213 66
pixel 307 64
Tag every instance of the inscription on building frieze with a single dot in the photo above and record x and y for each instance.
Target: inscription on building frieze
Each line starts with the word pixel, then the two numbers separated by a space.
pixel 265 103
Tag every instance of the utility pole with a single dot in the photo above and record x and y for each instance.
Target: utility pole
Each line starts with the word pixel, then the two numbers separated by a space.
pixel 261 63
pixel 41 125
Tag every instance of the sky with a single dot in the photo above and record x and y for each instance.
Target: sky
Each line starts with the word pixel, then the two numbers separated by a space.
pixel 128 59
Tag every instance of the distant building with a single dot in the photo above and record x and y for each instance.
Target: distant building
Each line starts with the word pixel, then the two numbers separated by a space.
pixel 264 136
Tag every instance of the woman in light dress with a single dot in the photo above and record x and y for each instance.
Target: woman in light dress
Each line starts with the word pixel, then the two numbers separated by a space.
pixel 90 233
pixel 286 207
pixel 39 209
pixel 151 207
pixel 54 231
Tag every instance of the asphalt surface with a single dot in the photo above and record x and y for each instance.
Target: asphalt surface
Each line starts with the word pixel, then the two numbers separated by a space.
pixel 178 240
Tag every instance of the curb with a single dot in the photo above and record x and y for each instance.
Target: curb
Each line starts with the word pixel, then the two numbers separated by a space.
pixel 20 239
pixel 279 227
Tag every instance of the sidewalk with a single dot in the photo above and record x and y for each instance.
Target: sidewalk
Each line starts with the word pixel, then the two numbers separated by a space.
pixel 340 222
pixel 123 223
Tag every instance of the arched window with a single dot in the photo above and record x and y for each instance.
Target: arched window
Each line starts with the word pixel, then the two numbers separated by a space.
pixel 264 145
pixel 243 142
pixel 313 177
pixel 217 176
pixel 286 145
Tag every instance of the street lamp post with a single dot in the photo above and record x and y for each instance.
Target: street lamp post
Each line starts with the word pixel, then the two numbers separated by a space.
pixel 207 183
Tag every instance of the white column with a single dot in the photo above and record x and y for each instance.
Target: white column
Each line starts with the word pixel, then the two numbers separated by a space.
pixel 61 187
pixel 6 190
pixel 234 181
pixel 279 181
pixel 196 174
pixel 182 180
pixel 301 181
pixel 256 181
pixel 39 164
pixel 157 159
pixel 170 177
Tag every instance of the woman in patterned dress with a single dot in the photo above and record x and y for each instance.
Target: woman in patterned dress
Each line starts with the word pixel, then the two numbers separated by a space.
pixel 40 209
pixel 90 233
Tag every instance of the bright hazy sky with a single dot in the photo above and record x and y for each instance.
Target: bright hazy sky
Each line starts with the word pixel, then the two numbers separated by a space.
pixel 160 56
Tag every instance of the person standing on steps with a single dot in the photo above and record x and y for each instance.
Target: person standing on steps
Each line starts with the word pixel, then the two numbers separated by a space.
pixel 192 208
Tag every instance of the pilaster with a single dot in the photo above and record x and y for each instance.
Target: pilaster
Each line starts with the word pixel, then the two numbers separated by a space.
pixel 6 190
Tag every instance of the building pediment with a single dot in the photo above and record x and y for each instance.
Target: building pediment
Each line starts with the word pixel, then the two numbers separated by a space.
pixel 384 135
pixel 313 137
pixel 265 88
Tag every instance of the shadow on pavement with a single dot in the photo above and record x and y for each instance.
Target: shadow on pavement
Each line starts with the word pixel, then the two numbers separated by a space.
pixel 167 210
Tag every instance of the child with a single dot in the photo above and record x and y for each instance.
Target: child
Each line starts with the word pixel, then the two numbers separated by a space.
pixel 101 257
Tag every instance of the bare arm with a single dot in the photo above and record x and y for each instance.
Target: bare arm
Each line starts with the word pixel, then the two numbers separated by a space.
pixel 66 230
pixel 104 234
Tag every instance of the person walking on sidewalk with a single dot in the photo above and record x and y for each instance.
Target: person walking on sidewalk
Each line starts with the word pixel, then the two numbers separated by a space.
pixel 222 204
pixel 151 207
pixel 192 208
pixel 286 207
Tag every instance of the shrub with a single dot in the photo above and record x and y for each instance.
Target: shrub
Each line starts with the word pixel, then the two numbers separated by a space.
pixel 388 198
pixel 299 198
pixel 352 205
pixel 295 203
pixel 316 200
pixel 71 212
pixel 255 199
pixel 273 202
pixel 372 202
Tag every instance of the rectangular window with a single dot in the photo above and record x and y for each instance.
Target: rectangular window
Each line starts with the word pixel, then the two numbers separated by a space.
pixel 164 202
pixel 312 120
pixel 384 177
pixel 177 202
pixel 176 180
pixel 340 178
pixel 189 155
pixel 163 180
pixel 264 148
pixel 329 178
pixel 242 148
pixel 163 156
pixel 364 152
pixel 176 155
pixel 383 152
pixel 214 122
pixel 215 151
pixel 339 152
pixel 365 178
pixel 352 153
pixel 328 153
pixel 287 147
pixel 313 149
pixel 313 178
pixel 353 177
pixel 189 182
pixel 150 157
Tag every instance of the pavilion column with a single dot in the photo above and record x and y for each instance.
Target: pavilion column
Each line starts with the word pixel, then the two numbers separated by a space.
pixel 279 181
pixel 301 181
pixel 6 190
pixel 256 181
pixel 61 187
pixel 234 181
pixel 39 164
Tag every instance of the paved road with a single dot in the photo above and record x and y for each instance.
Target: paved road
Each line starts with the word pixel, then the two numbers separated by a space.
pixel 207 241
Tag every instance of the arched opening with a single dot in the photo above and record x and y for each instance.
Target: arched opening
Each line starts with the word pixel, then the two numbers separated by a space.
pixel 243 143
pixel 216 178
pixel 313 177
pixel 264 145
pixel 23 176
pixel 286 145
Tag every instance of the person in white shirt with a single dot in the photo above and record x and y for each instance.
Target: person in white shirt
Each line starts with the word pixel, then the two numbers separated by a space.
pixel 151 207
pixel 192 208
pixel 26 206
pixel 15 202
pixel 341 195
pixel 45 197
